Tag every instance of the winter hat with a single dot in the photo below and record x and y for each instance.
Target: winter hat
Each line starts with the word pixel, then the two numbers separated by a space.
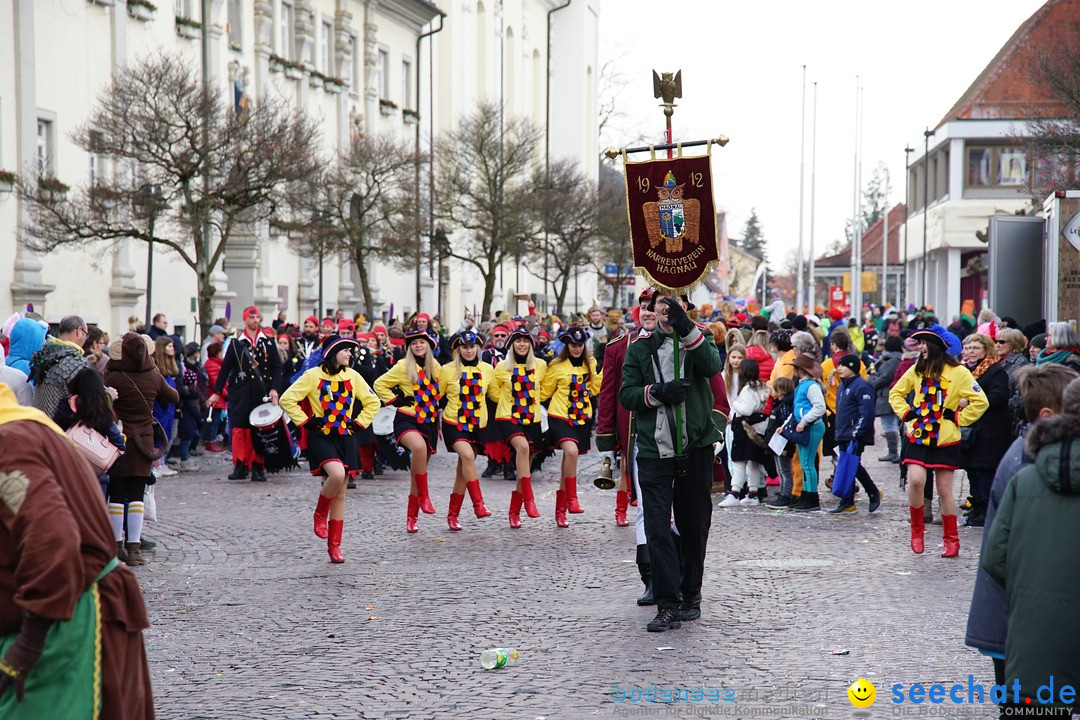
pixel 835 314
pixel 215 329
pixel 799 323
pixel 851 362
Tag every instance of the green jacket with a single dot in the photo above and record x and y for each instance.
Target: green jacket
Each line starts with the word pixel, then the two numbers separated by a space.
pixel 1031 553
pixel 698 361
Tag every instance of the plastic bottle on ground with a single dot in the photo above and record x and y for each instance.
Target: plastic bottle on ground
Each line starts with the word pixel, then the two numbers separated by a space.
pixel 496 658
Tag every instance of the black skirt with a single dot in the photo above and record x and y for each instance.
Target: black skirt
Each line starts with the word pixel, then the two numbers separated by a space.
pixel 322 449
pixel 933 457
pixel 533 433
pixel 560 431
pixel 407 423
pixel 451 434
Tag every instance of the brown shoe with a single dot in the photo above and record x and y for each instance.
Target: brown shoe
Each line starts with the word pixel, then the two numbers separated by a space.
pixel 135 554
pixel 121 553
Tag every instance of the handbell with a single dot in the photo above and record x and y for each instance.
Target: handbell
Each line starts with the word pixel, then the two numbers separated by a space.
pixel 605 481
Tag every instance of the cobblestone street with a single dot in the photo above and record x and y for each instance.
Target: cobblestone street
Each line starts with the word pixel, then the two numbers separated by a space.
pixel 250 620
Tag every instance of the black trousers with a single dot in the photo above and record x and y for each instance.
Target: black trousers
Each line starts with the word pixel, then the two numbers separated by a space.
pixel 679 567
pixel 981 480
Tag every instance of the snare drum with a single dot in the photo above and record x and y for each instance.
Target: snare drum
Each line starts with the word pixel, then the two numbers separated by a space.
pixel 397 457
pixel 270 437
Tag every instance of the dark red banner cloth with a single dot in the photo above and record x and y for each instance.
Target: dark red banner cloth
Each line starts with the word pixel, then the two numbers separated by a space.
pixel 672 220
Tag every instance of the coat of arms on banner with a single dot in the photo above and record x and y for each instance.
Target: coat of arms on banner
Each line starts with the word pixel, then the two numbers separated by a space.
pixel 672 220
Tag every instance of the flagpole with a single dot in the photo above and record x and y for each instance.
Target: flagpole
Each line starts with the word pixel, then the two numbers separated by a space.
pixel 799 285
pixel 813 178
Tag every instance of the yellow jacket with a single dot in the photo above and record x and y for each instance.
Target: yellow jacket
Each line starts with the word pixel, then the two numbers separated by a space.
pixel 781 368
pixel 574 405
pixel 450 386
pixel 928 420
pixel 517 402
pixel 425 407
pixel 316 387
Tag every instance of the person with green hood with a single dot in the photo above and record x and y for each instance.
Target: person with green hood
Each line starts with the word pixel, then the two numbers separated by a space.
pixel 1038 520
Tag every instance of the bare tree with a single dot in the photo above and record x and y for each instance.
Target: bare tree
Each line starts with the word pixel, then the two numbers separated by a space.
pixel 186 161
pixel 1052 144
pixel 567 209
pixel 611 246
pixel 484 186
pixel 363 206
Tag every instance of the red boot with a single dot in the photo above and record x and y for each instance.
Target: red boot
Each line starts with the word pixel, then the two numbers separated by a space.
pixel 477 499
pixel 455 507
pixel 917 528
pixel 410 518
pixel 560 509
pixel 515 510
pixel 528 498
pixel 571 496
pixel 622 501
pixel 952 540
pixel 422 494
pixel 333 541
pixel 322 509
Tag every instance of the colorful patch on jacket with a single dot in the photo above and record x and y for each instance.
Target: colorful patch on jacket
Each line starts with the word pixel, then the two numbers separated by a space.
pixel 926 427
pixel 471 395
pixel 335 399
pixel 425 398
pixel 523 392
pixel 580 405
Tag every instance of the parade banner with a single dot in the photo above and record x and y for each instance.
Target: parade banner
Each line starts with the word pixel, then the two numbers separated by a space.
pixel 672 220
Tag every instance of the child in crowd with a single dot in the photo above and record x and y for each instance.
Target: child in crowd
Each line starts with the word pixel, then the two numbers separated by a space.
pixel 855 404
pixel 809 414
pixel 783 393
pixel 747 424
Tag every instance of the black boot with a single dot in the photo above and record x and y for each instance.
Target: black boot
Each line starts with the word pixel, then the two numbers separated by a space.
pixel 258 473
pixel 490 470
pixel 509 473
pixel 645 569
pixel 807 501
pixel 239 472
pixel 977 516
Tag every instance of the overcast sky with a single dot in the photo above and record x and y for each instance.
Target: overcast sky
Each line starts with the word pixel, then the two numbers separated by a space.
pixel 742 77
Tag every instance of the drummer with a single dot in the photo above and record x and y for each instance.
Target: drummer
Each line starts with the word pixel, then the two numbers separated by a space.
pixel 466 382
pixel 517 380
pixel 412 385
pixel 571 383
pixel 252 369
pixel 341 404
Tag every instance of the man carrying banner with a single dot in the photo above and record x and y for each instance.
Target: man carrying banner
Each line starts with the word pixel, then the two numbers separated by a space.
pixel 666 386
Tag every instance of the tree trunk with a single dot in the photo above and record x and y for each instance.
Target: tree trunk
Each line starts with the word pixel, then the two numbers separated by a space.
pixel 365 286
pixel 206 292
pixel 560 296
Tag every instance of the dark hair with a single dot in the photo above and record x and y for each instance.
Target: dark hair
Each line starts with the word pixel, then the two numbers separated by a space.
pixel 893 343
pixel 92 407
pixel 749 374
pixel 840 340
pixel 93 334
pixel 214 350
pixel 330 365
pixel 934 363
pixel 782 340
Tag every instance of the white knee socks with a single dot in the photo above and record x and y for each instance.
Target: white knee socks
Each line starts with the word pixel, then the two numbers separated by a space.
pixel 134 522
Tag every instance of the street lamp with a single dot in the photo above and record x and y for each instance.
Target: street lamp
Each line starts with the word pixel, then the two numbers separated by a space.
pixel 907 207
pixel 151 201
pixel 319 221
pixel 926 212
pixel 441 244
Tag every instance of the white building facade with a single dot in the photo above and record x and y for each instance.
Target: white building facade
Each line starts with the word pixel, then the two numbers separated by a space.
pixel 354 67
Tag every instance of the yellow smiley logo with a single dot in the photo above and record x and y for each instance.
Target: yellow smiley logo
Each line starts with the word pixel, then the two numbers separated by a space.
pixel 862 693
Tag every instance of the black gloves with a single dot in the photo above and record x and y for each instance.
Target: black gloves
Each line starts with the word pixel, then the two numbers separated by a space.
pixel 24 654
pixel 400 400
pixel 670 393
pixel 315 424
pixel 677 317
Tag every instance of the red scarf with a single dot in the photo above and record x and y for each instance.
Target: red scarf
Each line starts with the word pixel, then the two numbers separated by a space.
pixel 984 365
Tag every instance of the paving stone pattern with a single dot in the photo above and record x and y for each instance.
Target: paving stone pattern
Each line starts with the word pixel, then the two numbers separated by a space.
pixel 250 620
